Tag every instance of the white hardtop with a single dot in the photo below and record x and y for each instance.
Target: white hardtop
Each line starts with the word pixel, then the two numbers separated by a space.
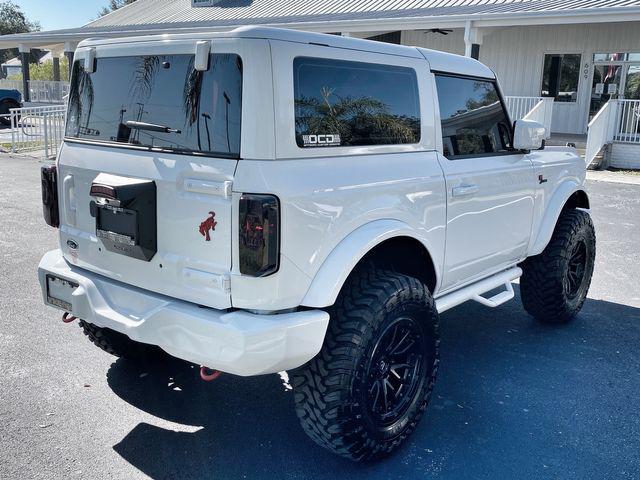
pixel 438 61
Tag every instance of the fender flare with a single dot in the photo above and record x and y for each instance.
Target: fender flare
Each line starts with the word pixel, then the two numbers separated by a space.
pixel 339 264
pixel 552 213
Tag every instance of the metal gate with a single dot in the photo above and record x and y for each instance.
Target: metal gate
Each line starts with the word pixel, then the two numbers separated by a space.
pixel 38 128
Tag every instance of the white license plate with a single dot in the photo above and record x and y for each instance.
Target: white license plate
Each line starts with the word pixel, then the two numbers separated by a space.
pixel 59 292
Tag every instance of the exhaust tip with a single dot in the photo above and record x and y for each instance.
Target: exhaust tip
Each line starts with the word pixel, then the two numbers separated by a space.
pixel 209 375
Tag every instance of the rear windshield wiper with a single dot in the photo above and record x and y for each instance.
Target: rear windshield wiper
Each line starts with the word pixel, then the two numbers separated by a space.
pixel 152 127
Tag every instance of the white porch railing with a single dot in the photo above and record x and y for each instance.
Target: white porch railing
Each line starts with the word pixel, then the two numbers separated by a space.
pixel 601 130
pixel 41 91
pixel 628 123
pixel 539 109
pixel 38 128
pixel 617 120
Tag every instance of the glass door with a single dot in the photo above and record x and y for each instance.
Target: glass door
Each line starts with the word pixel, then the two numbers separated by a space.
pixel 632 82
pixel 606 85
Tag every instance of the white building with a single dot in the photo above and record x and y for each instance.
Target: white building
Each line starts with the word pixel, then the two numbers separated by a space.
pixel 581 53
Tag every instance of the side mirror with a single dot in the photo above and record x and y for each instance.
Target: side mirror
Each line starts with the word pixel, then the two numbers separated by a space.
pixel 528 135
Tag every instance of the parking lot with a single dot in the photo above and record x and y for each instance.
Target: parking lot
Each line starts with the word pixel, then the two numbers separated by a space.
pixel 513 400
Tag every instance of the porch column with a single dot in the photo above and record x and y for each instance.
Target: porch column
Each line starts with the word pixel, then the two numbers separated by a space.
pixel 472 40
pixel 69 50
pixel 56 68
pixel 24 58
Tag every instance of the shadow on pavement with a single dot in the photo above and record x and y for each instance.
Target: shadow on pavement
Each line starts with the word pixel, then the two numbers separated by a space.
pixel 514 399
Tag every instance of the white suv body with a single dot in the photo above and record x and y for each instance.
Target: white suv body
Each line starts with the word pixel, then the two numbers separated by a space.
pixel 464 222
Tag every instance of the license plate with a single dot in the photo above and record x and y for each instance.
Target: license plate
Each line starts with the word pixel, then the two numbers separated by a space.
pixel 59 292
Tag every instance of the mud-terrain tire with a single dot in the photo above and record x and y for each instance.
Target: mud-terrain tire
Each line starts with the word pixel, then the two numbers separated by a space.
pixel 120 345
pixel 5 106
pixel 384 326
pixel 554 284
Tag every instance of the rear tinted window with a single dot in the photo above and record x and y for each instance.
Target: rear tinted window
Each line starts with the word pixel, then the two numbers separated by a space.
pixel 341 103
pixel 474 122
pixel 202 109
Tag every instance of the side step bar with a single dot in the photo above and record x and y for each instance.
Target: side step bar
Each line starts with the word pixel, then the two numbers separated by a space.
pixel 475 291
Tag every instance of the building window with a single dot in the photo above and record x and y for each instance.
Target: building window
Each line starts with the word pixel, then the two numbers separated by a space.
pixel 342 103
pixel 608 57
pixel 474 120
pixel 391 37
pixel 561 74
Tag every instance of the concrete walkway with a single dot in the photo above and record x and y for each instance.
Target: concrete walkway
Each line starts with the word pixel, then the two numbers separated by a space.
pixel 614 177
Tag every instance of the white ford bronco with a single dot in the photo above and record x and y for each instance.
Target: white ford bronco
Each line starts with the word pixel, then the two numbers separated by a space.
pixel 265 200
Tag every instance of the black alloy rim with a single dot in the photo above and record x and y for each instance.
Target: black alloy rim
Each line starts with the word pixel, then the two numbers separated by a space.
pixel 395 371
pixel 576 269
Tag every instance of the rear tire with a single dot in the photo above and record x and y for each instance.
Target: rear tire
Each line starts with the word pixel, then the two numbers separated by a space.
pixel 5 106
pixel 366 390
pixel 120 345
pixel 554 284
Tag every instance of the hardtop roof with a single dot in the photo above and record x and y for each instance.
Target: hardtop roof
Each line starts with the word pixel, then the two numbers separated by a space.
pixel 440 61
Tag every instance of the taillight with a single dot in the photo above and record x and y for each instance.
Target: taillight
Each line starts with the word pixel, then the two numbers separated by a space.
pixel 259 234
pixel 49 178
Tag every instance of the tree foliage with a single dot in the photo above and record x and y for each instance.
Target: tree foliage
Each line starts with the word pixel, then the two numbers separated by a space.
pixel 44 71
pixel 13 20
pixel 113 6
pixel 355 119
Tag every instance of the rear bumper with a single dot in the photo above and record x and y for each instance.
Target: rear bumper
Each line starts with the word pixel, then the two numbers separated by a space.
pixel 236 342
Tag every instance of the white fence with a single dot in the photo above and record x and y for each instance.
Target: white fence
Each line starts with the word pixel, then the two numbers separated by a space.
pixel 12 85
pixel 41 91
pixel 38 128
pixel 539 109
pixel 48 92
pixel 628 121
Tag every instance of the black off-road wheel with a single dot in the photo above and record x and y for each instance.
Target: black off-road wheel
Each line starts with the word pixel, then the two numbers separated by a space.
pixel 365 392
pixel 120 345
pixel 554 284
pixel 5 106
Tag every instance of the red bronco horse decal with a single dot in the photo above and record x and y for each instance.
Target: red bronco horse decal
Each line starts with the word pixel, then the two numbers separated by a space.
pixel 209 224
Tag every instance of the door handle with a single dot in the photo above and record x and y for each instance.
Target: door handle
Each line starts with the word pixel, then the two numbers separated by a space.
pixel 465 189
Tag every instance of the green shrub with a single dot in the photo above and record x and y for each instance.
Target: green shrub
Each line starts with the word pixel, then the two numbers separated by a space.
pixel 44 71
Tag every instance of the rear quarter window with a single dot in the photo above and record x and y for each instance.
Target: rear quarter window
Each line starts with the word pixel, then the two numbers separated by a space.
pixel 344 103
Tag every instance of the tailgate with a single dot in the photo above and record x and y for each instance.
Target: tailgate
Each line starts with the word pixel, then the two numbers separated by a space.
pixel 193 213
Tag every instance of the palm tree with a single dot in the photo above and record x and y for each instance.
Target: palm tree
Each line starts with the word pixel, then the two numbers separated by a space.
pixel 191 98
pixel 144 75
pixel 81 97
pixel 354 119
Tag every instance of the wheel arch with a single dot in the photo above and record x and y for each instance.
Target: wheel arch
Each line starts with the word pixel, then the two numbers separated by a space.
pixel 390 243
pixel 10 100
pixel 569 195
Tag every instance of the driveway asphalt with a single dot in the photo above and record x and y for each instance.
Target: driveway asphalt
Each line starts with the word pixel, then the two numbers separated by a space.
pixel 514 399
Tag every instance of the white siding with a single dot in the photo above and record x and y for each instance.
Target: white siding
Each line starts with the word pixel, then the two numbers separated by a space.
pixel 516 54
pixel 625 155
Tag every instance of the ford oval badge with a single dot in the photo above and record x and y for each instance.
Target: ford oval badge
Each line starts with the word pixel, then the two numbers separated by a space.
pixel 72 245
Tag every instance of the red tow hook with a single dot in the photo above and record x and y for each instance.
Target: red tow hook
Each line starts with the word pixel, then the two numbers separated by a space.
pixel 68 318
pixel 209 375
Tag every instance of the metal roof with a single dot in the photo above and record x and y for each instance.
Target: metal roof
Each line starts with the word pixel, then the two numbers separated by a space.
pixel 151 16
pixel 238 12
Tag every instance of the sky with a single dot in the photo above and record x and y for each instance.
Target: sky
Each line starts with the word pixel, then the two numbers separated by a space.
pixel 57 14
